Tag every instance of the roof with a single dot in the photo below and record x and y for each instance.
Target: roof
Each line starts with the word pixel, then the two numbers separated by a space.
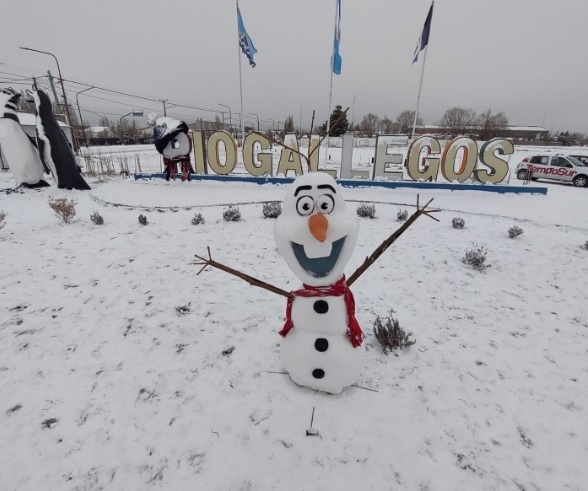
pixel 27 119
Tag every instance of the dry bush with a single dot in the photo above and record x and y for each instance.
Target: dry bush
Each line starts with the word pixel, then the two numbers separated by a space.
pixel 197 219
pixel 514 232
pixel 476 258
pixel 64 209
pixel 232 214
pixel 142 219
pixel 583 246
pixel 402 216
pixel 390 335
pixel 97 218
pixel 458 223
pixel 366 211
pixel 2 219
pixel 272 210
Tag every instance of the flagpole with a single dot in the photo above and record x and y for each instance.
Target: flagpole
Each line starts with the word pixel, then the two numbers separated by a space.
pixel 240 77
pixel 331 90
pixel 416 113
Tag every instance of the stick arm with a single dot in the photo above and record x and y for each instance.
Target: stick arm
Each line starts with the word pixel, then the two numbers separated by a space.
pixel 249 279
pixel 390 240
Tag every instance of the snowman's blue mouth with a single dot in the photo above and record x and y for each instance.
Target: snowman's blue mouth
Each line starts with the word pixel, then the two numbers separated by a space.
pixel 318 267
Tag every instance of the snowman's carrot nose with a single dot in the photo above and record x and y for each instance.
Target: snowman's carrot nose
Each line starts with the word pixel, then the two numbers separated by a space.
pixel 318 225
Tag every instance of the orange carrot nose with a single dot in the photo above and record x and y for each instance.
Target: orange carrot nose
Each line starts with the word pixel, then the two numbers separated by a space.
pixel 318 225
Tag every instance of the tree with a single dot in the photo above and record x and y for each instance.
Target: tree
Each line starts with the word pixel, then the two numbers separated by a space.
pixel 458 120
pixel 491 125
pixel 218 125
pixel 338 126
pixel 387 126
pixel 405 121
pixel 369 124
pixel 289 124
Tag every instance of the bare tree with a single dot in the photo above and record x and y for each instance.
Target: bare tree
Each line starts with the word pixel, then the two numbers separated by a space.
pixel 458 120
pixel 491 125
pixel 405 120
pixel 369 124
pixel 388 126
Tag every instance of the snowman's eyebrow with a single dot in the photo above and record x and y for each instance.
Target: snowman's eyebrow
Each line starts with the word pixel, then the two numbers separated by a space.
pixel 301 188
pixel 327 186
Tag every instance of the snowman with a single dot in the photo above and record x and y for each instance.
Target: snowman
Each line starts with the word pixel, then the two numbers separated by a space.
pixel 316 235
pixel 172 141
pixel 322 343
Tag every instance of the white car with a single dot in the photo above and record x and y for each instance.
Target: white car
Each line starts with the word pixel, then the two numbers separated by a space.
pixel 563 168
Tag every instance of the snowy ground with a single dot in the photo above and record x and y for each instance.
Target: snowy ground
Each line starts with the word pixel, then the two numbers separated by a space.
pixel 112 374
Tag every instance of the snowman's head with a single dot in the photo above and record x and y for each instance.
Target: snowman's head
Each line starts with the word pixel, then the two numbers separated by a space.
pixel 316 233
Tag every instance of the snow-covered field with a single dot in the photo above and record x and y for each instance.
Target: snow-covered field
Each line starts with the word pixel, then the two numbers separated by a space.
pixel 113 377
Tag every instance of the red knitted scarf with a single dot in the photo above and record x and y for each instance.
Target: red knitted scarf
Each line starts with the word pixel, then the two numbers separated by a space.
pixel 337 289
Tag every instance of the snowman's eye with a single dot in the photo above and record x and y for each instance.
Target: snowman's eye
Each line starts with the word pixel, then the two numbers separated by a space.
pixel 305 205
pixel 325 204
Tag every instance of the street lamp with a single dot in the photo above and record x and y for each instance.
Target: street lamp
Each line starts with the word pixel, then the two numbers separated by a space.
pixel 257 116
pixel 230 118
pixel 80 112
pixel 137 113
pixel 67 113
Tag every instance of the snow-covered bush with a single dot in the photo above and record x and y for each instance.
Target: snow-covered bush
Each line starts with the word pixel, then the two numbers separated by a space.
pixel 2 219
pixel 583 246
pixel 197 219
pixel 142 219
pixel 390 335
pixel 476 258
pixel 232 214
pixel 272 209
pixel 64 209
pixel 514 232
pixel 402 216
pixel 366 211
pixel 458 222
pixel 97 218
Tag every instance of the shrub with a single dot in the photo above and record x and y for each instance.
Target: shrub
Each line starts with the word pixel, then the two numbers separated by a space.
pixel 272 210
pixel 97 218
pixel 514 232
pixel 402 216
pixel 390 335
pixel 583 246
pixel 476 258
pixel 142 219
pixel 64 209
pixel 2 219
pixel 366 211
pixel 232 214
pixel 197 219
pixel 458 222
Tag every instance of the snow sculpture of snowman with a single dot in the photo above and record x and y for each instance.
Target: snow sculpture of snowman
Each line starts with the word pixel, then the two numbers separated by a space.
pixel 172 141
pixel 316 235
pixel 322 345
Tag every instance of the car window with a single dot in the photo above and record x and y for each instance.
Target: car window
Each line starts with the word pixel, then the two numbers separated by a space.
pixel 536 159
pixel 544 161
pixel 559 162
pixel 576 161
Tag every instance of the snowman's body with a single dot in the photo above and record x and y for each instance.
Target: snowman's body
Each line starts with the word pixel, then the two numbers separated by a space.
pixel 322 344
pixel 317 352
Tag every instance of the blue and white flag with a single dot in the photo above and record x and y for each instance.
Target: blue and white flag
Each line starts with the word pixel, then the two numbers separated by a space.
pixel 424 39
pixel 245 41
pixel 336 60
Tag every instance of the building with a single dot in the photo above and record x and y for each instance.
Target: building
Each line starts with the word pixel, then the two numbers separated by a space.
pixel 516 133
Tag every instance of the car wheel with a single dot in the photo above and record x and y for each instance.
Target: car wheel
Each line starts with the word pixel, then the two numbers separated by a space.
pixel 580 181
pixel 522 174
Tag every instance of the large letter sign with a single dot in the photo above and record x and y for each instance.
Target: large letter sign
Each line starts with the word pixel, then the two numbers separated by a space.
pixel 265 159
pixel 498 167
pixel 214 161
pixel 468 161
pixel 431 164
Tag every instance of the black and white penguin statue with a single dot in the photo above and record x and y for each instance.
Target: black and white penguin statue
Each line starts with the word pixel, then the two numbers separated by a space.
pixel 54 148
pixel 17 149
pixel 172 141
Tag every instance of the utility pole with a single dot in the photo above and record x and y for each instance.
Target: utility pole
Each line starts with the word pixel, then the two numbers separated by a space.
pixel 164 108
pixel 53 88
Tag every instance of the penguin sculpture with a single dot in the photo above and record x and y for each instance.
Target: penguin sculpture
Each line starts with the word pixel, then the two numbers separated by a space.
pixel 54 148
pixel 18 151
pixel 172 141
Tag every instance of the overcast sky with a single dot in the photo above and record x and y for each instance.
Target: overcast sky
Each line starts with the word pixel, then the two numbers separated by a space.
pixel 527 58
